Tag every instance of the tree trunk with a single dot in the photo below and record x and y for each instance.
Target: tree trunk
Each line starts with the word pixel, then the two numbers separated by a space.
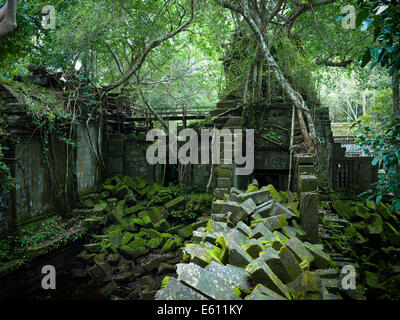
pixel 9 15
pixel 309 133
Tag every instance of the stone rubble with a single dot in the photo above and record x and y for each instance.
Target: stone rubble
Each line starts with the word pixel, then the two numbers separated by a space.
pixel 252 248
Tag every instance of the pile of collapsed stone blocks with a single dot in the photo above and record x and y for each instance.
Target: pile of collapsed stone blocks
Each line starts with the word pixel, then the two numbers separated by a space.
pixel 252 248
pixel 138 246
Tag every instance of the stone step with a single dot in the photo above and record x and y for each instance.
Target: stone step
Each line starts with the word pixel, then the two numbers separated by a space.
pixel 227 104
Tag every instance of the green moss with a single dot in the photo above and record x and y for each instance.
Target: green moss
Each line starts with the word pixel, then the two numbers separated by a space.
pixel 39 101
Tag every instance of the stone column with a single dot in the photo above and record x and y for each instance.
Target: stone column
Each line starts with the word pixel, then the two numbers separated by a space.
pixel 226 178
pixel 309 199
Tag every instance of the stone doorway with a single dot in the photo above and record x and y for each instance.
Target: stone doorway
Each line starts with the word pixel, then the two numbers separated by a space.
pixel 278 178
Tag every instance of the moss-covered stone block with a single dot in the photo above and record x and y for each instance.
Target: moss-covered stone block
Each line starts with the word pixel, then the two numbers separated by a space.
pixel 308 183
pixel 186 232
pixel 290 263
pixel 307 286
pixel 135 248
pixel 135 209
pixel 274 194
pixel 343 209
pixel 261 273
pixel 93 247
pixel 162 225
pixel 116 218
pixel 175 203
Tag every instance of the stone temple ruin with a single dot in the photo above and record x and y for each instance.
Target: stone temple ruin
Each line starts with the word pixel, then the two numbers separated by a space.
pixel 264 243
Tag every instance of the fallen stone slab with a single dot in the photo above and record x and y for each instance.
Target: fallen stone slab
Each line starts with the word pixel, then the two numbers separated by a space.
pixel 307 286
pixel 209 284
pixel 135 248
pixel 219 217
pixel 263 210
pixel 234 235
pixel 166 268
pixel 215 226
pixel 234 275
pixel 273 223
pixel 211 237
pixel 262 231
pixel 322 260
pixel 124 276
pixel 152 261
pixel 242 212
pixel 109 289
pixel 175 203
pixel 343 209
pixel 281 237
pixel 244 228
pixel 237 256
pixel 174 290
pixel 253 248
pixel 116 218
pixel 261 292
pixel 135 209
pixel 236 191
pixel 290 263
pixel 198 254
pixel 272 259
pixel 327 273
pixel 291 232
pixel 260 272
pixel 274 194
pixel 93 247
pixel 186 232
pixel 155 215
pixel 258 197
pixel 299 250
pixel 278 209
pixel 223 207
pixel 234 198
pixel 198 236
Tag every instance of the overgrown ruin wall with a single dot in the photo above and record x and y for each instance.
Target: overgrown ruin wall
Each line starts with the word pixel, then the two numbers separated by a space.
pixel 34 198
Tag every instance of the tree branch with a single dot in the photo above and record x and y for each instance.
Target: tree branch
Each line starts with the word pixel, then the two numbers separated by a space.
pixel 161 120
pixel 328 63
pixel 154 44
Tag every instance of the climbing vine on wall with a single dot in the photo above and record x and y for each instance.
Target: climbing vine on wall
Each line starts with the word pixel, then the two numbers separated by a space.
pixel 54 115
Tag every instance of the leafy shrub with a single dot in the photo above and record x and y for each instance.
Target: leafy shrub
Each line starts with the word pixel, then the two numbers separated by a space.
pixel 385 143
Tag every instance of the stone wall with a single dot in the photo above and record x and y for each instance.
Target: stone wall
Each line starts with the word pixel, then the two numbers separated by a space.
pixel 86 158
pixel 126 155
pixel 33 198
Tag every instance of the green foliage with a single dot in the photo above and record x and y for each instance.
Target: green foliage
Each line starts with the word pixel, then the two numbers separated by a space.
pixel 20 43
pixel 197 206
pixel 385 144
pixel 46 235
pixel 383 17
pixel 295 64
pixel 32 235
